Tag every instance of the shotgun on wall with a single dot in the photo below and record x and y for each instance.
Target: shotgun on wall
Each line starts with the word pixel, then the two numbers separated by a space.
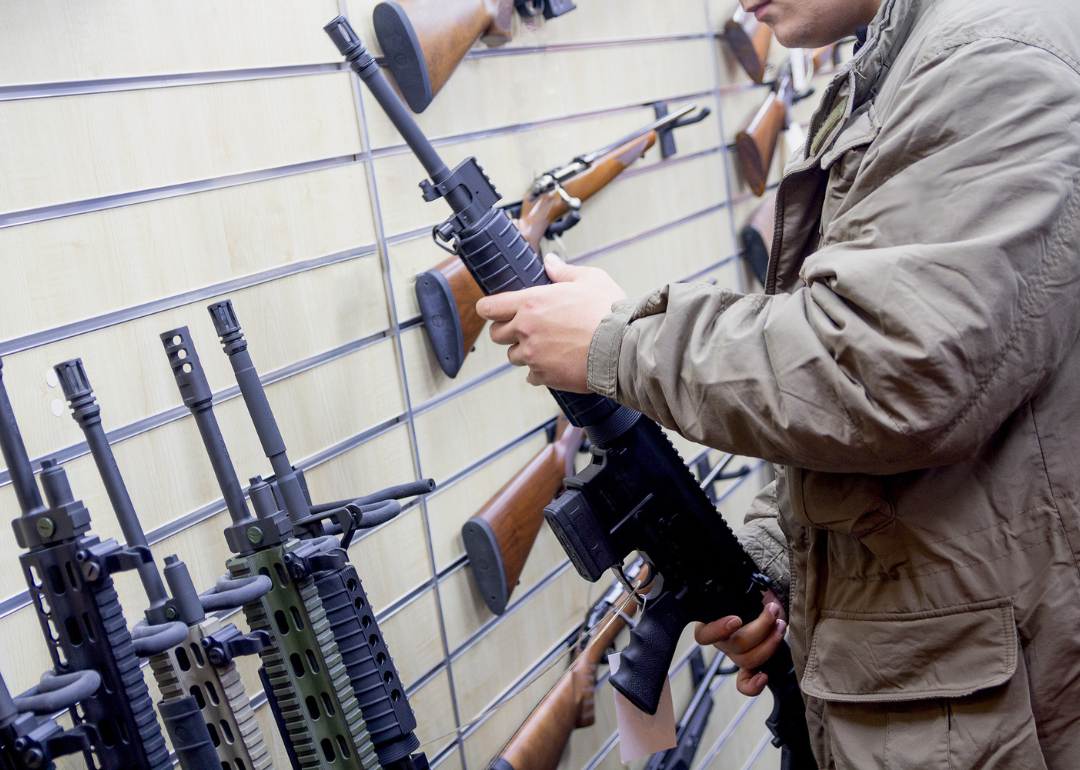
pixel 500 536
pixel 205 708
pixel 755 146
pixel 756 236
pixel 69 574
pixel 636 494
pixel 425 40
pixel 447 294
pixel 750 41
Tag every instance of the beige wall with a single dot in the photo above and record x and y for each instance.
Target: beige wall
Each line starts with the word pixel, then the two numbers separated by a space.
pixel 158 156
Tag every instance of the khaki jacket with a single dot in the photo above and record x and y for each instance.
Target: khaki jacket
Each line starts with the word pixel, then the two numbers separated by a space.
pixel 915 368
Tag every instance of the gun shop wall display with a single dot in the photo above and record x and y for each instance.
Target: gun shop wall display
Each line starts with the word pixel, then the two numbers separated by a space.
pixel 297 520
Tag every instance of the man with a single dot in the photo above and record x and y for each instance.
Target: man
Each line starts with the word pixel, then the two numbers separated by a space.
pixel 914 367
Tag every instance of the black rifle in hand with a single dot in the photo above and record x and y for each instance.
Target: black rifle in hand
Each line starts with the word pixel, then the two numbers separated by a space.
pixel 29 738
pixel 205 708
pixel 69 574
pixel 636 494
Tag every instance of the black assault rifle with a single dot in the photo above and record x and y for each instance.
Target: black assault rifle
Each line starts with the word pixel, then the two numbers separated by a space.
pixel 636 494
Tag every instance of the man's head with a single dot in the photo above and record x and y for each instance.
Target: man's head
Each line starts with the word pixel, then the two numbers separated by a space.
pixel 812 23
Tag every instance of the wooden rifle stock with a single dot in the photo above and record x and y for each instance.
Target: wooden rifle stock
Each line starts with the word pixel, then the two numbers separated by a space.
pixel 756 145
pixel 539 743
pixel 749 40
pixel 756 237
pixel 499 537
pixel 425 40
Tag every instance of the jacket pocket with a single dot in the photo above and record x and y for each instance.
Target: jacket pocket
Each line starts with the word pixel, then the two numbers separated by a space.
pixel 893 658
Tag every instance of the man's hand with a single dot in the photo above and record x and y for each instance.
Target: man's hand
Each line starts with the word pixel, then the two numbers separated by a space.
pixel 748 646
pixel 549 328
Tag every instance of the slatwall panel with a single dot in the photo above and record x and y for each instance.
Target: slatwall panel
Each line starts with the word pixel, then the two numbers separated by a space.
pixel 161 156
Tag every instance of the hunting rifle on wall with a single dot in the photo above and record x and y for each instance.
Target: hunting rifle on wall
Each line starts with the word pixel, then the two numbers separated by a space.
pixel 499 537
pixel 636 493
pixel 750 41
pixel 425 40
pixel 447 294
pixel 205 708
pixel 69 575
pixel 755 239
pixel 755 146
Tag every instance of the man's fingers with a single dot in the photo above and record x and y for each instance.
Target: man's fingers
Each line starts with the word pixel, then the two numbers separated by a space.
pixel 500 307
pixel 717 631
pixel 759 655
pixel 746 638
pixel 559 271
pixel 503 333
pixel 514 356
pixel 750 682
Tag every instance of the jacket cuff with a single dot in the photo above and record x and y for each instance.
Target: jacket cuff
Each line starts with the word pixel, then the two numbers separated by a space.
pixel 602 368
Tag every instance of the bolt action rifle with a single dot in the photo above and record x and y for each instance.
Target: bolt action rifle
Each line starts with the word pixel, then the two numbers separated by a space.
pixel 69 574
pixel 425 40
pixel 205 708
pixel 29 738
pixel 750 41
pixel 447 294
pixel 499 537
pixel 755 146
pixel 636 493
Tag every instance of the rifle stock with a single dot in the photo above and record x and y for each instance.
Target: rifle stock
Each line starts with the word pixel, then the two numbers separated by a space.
pixel 500 536
pixel 756 237
pixel 425 40
pixel 750 41
pixel 756 145
pixel 540 742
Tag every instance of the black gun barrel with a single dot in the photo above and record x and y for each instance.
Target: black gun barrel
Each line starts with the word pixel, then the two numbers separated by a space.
pixel 14 451
pixel 247 378
pixel 195 390
pixel 87 414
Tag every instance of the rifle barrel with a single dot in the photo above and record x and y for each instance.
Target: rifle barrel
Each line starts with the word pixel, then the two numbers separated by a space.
pixel 671 117
pixel 14 451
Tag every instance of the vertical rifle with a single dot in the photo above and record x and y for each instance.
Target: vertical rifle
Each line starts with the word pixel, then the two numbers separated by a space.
pixel 425 40
pixel 447 294
pixel 756 237
pixel 29 738
pixel 303 672
pixel 499 537
pixel 69 574
pixel 636 493
pixel 749 40
pixel 205 708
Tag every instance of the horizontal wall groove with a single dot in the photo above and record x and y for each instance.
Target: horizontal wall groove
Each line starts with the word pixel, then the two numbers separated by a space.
pixel 115 317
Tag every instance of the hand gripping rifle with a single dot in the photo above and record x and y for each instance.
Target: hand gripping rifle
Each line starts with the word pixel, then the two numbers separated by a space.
pixel 500 536
pixel 205 707
pixel 69 574
pixel 447 293
pixel 425 40
pixel 636 494
pixel 29 738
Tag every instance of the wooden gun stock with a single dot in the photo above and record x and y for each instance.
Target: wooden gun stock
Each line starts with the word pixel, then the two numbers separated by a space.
pixel 540 742
pixel 749 40
pixel 448 293
pixel 756 145
pixel 425 40
pixel 756 237
pixel 499 537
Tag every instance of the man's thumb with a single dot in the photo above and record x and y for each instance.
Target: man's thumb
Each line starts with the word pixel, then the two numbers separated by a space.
pixel 558 271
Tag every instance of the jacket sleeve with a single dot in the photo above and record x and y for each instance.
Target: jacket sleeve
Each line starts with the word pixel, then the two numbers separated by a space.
pixel 945 295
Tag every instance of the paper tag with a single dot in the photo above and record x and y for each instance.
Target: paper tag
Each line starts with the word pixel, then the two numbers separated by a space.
pixel 639 733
